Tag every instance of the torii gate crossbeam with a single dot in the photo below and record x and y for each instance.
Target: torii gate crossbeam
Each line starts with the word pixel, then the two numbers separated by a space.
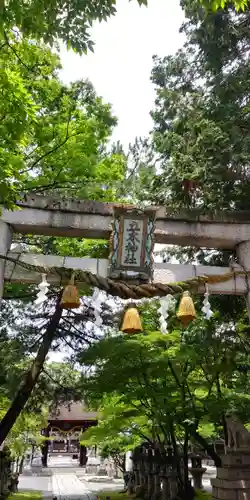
pixel 47 216
pixel 90 219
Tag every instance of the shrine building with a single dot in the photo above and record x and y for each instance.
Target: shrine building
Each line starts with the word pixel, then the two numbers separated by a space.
pixel 65 426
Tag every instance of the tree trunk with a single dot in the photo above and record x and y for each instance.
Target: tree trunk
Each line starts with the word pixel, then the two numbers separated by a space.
pixel 223 418
pixel 207 447
pixel 45 449
pixel 20 469
pixel 32 453
pixel 32 375
pixel 176 456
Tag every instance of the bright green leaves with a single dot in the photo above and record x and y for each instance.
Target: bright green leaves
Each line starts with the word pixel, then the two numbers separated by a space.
pixel 214 5
pixel 18 113
pixel 151 383
pixel 52 20
pixel 114 434
pixel 17 110
pixel 54 138
pixel 26 431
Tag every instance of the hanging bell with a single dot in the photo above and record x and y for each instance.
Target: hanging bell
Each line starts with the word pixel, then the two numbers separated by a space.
pixel 186 311
pixel 131 322
pixel 70 297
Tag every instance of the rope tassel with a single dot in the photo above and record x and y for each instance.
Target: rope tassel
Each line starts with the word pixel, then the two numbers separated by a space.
pixel 131 320
pixel 70 297
pixel 186 312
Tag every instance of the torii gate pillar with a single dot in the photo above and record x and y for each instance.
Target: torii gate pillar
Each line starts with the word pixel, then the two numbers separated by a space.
pixel 5 242
pixel 243 252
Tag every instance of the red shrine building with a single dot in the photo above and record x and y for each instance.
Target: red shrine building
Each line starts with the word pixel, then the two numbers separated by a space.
pixel 65 426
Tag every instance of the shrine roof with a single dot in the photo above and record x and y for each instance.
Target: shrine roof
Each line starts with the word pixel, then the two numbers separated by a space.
pixel 75 412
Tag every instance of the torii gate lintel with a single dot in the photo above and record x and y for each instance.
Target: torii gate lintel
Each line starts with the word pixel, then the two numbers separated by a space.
pixel 90 219
pixel 42 215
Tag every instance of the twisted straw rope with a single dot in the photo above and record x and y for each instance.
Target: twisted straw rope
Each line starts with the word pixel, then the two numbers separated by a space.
pixel 126 290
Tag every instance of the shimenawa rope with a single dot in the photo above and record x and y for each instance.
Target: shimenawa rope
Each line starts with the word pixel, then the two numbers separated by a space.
pixel 127 290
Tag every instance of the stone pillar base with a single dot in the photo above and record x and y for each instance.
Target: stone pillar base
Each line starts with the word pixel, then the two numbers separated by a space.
pixel 197 474
pixel 233 478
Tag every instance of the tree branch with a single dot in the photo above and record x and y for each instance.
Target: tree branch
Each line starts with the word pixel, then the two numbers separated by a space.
pixel 205 446
pixel 52 379
pixel 58 146
pixel 15 52
pixel 30 380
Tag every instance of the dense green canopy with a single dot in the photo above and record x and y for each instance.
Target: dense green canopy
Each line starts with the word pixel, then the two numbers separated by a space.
pixel 52 21
pixel 54 137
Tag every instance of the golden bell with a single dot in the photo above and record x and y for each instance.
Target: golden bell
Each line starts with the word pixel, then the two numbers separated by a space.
pixel 131 320
pixel 186 311
pixel 70 297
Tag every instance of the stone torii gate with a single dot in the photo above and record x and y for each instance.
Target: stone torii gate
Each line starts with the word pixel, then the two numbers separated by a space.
pixel 40 215
pixel 44 216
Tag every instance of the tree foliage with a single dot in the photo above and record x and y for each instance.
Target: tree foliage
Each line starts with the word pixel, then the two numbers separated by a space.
pixel 26 432
pixel 54 137
pixel 52 21
pixel 39 333
pixel 214 5
pixel 201 117
pixel 173 389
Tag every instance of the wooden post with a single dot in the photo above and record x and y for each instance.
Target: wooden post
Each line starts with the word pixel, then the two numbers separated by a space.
pixel 83 456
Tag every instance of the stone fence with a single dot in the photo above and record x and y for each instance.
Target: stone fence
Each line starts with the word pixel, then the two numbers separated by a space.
pixel 155 474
